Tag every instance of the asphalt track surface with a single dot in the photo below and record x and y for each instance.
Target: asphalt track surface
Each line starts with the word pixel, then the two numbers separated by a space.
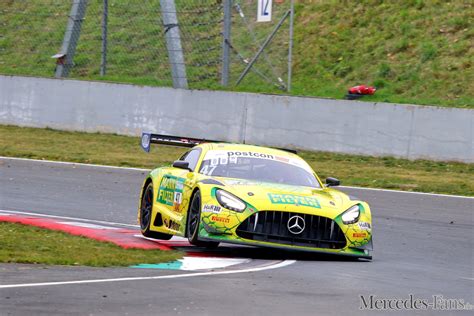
pixel 423 246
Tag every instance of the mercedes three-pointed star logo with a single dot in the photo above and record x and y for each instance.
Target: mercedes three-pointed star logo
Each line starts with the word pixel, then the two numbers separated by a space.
pixel 296 225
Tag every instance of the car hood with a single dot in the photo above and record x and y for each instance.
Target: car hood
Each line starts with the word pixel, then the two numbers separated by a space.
pixel 274 196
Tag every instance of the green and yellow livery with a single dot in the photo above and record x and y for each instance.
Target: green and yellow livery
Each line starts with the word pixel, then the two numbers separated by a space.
pixel 250 195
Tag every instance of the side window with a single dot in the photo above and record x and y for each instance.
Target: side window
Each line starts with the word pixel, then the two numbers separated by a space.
pixel 192 157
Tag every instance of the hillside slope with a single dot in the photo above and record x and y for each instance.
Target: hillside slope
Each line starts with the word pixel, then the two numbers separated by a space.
pixel 413 51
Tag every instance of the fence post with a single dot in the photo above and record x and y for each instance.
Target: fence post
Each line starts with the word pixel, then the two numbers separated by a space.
pixel 260 50
pixel 290 45
pixel 71 37
pixel 103 60
pixel 173 43
pixel 226 42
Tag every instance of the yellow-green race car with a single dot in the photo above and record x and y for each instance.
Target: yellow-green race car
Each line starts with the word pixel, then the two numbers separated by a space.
pixel 250 195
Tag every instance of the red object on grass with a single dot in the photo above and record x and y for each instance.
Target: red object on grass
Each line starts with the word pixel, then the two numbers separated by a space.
pixel 363 90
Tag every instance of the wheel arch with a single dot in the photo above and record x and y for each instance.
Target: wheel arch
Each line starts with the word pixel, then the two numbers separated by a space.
pixel 195 189
pixel 146 182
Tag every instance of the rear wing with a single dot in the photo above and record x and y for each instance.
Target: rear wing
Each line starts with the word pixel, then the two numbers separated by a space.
pixel 149 138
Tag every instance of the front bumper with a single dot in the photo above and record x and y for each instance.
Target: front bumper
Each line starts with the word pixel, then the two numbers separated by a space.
pixel 270 229
pixel 348 252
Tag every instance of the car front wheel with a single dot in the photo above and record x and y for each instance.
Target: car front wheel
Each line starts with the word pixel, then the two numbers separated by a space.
pixel 193 223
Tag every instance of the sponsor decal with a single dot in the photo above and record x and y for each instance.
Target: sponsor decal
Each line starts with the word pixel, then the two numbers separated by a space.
pixel 176 207
pixel 294 200
pixel 359 235
pixel 170 191
pixel 223 157
pixel 215 158
pixel 364 225
pixel 172 224
pixel 211 208
pixel 220 219
pixel 249 154
pixel 178 198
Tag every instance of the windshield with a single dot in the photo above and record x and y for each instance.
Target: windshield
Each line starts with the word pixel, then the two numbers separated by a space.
pixel 258 167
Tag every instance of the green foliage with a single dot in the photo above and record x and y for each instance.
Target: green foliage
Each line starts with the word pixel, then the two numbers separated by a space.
pixel 408 49
pixel 428 52
pixel 384 70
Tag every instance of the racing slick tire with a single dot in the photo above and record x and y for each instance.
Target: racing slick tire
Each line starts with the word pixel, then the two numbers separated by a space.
pixel 193 222
pixel 146 206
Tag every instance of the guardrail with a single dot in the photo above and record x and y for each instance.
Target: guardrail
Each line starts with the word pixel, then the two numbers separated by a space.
pixel 354 127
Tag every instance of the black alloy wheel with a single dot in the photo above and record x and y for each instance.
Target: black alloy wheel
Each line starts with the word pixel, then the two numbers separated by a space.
pixel 193 222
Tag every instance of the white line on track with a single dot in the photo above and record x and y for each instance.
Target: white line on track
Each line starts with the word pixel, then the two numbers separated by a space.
pixel 73 163
pixel 471 279
pixel 141 169
pixel 172 276
pixel 410 192
pixel 70 218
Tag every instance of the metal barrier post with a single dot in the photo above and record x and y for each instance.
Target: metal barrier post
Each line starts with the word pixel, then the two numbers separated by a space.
pixel 226 42
pixel 71 37
pixel 103 60
pixel 173 44
pixel 290 46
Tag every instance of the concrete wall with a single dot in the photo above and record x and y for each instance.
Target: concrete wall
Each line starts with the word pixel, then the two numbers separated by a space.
pixel 296 122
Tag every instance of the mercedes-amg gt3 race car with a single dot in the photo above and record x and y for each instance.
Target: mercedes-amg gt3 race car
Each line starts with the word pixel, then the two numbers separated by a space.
pixel 250 195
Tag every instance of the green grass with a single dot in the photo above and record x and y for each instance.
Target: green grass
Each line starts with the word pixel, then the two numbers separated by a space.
pixel 414 51
pixel 136 53
pixel 376 172
pixel 28 244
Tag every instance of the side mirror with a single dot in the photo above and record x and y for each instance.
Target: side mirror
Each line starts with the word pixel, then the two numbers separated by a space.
pixel 181 164
pixel 332 182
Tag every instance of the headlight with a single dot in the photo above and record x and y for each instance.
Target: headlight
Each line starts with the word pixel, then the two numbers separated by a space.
pixel 230 201
pixel 351 216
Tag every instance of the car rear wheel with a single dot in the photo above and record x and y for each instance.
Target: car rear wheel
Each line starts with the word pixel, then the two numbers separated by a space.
pixel 193 223
pixel 146 206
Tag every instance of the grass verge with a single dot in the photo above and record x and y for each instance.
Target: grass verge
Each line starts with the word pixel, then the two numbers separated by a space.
pixel 28 244
pixel 364 171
